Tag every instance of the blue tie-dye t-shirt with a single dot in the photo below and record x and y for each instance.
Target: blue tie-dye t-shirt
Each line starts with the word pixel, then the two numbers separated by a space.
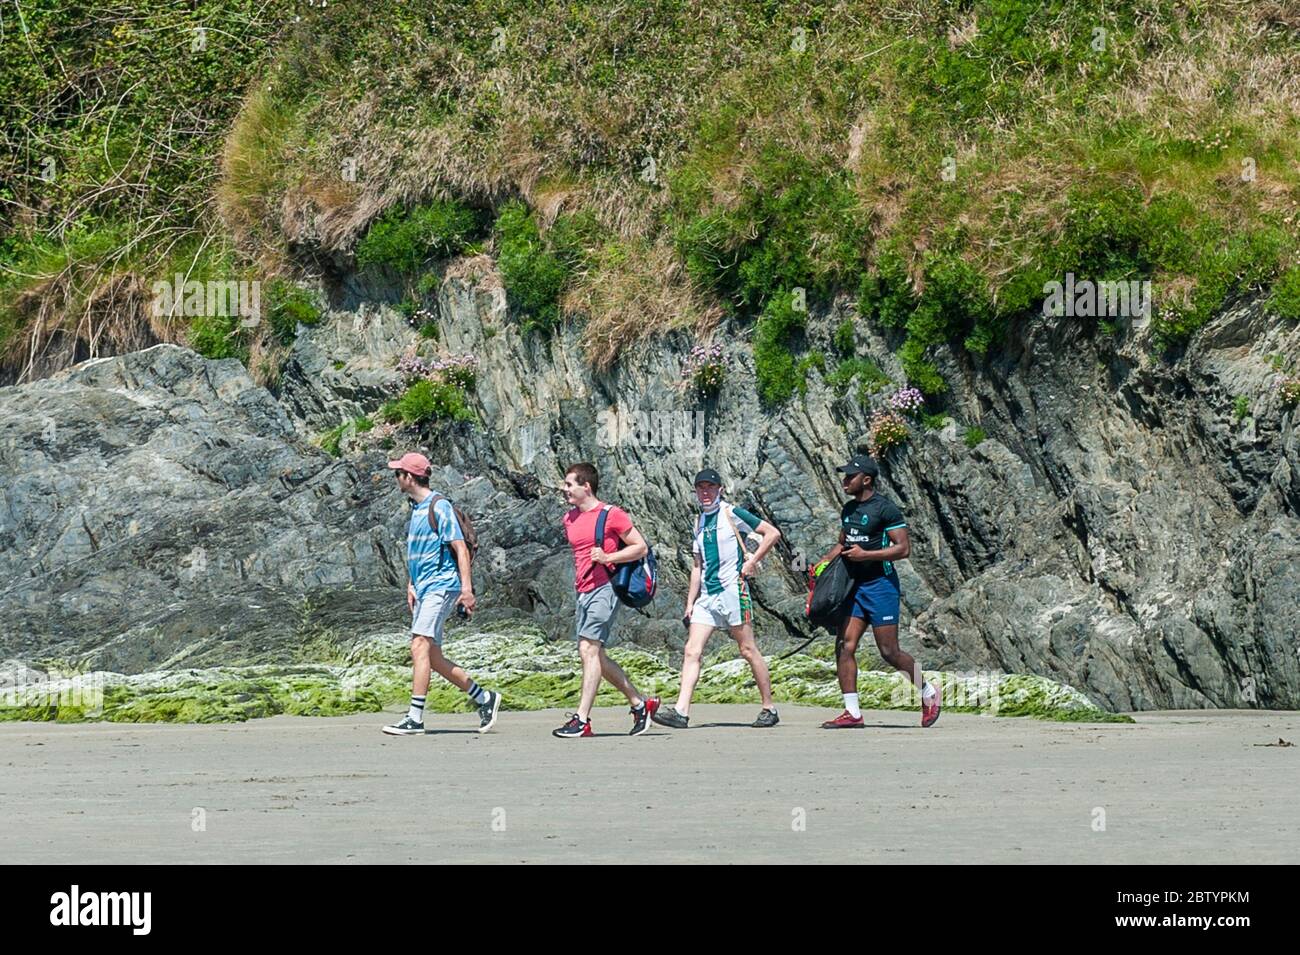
pixel 430 560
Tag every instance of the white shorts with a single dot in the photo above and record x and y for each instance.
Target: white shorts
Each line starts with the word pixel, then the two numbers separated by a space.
pixel 731 608
pixel 432 612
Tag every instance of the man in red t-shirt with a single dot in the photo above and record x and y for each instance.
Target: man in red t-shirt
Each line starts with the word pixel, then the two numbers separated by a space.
pixel 597 604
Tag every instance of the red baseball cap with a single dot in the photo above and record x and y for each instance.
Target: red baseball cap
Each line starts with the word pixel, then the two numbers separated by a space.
pixel 413 462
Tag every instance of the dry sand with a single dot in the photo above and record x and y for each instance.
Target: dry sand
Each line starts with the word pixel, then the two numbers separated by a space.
pixel 1175 787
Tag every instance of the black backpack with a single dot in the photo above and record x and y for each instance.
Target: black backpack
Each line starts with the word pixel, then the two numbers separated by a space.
pixel 827 595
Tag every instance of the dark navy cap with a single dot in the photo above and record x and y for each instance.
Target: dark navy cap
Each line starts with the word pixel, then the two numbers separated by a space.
pixel 710 475
pixel 860 464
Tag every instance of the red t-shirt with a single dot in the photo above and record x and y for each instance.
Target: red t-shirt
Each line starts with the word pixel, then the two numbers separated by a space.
pixel 580 528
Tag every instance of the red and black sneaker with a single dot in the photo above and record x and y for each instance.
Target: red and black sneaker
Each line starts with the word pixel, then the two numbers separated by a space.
pixel 641 718
pixel 574 728
pixel 930 711
pixel 845 721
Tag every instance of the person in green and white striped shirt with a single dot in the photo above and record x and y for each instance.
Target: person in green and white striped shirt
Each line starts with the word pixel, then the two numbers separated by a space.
pixel 719 594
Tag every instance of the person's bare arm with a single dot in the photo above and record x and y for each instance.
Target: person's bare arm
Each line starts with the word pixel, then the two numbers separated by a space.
pixel 770 535
pixel 693 591
pixel 466 598
pixel 900 547
pixel 634 548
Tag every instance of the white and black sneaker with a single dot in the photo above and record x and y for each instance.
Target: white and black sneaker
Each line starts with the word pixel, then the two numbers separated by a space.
pixel 487 713
pixel 407 727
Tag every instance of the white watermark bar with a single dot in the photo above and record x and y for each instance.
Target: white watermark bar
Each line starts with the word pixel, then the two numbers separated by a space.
pixel 56 689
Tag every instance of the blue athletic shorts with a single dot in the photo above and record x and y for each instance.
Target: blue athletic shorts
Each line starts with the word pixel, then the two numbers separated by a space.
pixel 876 601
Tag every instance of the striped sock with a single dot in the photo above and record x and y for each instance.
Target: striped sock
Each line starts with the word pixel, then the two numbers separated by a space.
pixel 416 712
pixel 477 693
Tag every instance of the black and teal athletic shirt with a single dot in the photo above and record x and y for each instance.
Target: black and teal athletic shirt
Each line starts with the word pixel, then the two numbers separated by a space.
pixel 867 523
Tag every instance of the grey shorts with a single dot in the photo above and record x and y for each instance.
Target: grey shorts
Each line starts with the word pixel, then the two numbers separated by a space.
pixel 596 612
pixel 432 612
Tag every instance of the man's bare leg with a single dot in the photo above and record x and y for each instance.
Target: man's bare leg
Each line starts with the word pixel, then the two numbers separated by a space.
pixel 590 651
pixel 696 639
pixel 744 637
pixel 896 656
pixel 846 650
pixel 616 676
pixel 453 674
pixel 420 665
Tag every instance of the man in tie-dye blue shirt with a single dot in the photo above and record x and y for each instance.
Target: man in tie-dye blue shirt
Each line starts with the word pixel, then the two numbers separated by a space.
pixel 437 562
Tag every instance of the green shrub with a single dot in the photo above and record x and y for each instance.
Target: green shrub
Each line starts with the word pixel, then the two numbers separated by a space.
pixel 218 336
pixel 1240 408
pixel 533 275
pixel 427 285
pixel 843 337
pixel 431 401
pixel 1285 299
pixel 954 306
pixel 774 364
pixel 287 306
pixel 920 371
pixel 975 436
pixel 404 239
pixel 573 238
pixel 797 225
pixel 886 296
pixel 331 441
pixel 806 364
pixel 870 378
pixel 1225 264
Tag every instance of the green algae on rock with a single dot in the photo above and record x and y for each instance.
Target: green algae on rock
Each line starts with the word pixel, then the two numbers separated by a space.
pixel 530 671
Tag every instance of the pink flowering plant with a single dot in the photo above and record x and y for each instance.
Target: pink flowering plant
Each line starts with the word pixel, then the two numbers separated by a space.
pixel 908 401
pixel 459 370
pixel 705 369
pixel 888 430
pixel 412 368
pixel 1288 390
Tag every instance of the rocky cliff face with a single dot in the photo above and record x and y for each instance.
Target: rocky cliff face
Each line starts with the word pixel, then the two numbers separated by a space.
pixel 1118 530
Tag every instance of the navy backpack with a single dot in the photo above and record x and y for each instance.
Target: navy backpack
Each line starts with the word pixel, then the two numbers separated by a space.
pixel 633 582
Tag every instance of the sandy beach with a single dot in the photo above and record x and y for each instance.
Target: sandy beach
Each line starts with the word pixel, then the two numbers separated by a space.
pixel 1199 786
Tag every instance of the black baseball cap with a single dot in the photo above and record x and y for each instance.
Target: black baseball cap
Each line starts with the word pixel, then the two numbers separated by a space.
pixel 710 475
pixel 860 464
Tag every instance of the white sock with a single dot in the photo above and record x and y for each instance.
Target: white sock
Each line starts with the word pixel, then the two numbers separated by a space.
pixel 416 712
pixel 927 690
pixel 477 693
pixel 851 704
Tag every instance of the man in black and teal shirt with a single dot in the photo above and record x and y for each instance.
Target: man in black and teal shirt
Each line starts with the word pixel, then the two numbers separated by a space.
pixel 873 534
pixel 719 595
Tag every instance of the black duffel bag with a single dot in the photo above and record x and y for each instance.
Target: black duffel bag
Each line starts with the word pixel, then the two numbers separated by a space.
pixel 831 590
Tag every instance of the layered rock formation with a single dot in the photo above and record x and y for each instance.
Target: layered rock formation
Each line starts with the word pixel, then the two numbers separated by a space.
pixel 1118 530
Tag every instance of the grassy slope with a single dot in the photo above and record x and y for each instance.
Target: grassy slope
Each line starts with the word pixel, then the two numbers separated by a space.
pixel 939 160
pixel 114 116
pixel 942 160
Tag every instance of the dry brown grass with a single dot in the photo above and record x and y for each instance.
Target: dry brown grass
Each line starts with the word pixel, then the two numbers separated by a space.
pixel 635 293
pixel 63 325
